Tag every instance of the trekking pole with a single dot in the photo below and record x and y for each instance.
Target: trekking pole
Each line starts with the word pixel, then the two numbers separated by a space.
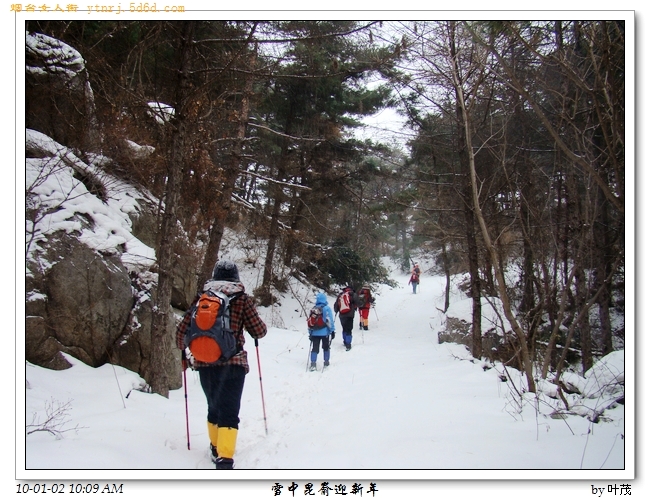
pixel 187 418
pixel 335 315
pixel 259 370
pixel 376 316
pixel 308 355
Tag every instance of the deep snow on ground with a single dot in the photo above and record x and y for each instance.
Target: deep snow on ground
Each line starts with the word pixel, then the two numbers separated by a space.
pixel 398 404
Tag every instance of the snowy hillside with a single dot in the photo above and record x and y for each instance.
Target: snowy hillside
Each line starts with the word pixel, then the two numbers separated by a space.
pixel 398 403
pixel 67 205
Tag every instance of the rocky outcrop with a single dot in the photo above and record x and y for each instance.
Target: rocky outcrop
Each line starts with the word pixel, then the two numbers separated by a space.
pixel 459 331
pixel 41 347
pixel 85 304
pixel 145 228
pixel 59 100
pixel 132 349
pixel 496 343
pixel 89 300
pixel 90 235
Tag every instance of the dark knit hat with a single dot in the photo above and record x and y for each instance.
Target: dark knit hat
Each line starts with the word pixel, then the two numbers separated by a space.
pixel 225 270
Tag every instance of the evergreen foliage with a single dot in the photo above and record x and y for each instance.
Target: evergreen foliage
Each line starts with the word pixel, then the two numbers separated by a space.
pixel 516 155
pixel 347 267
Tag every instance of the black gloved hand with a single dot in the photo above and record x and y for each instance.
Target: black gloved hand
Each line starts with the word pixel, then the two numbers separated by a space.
pixel 333 335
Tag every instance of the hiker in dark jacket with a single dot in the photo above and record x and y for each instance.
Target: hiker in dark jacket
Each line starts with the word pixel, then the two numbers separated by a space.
pixel 322 335
pixel 223 382
pixel 346 304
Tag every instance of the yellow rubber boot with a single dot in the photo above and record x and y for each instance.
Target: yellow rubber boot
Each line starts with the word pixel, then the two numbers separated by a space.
pixel 227 438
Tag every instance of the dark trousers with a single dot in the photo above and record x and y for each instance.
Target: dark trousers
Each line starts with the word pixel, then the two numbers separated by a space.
pixel 315 343
pixel 223 387
pixel 347 323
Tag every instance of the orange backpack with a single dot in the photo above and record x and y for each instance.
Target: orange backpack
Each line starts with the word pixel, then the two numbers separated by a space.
pixel 209 336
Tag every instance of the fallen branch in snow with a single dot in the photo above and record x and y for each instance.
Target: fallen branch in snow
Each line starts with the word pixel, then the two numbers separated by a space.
pixel 56 418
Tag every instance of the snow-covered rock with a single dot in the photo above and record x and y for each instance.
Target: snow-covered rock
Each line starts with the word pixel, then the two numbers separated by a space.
pixel 59 98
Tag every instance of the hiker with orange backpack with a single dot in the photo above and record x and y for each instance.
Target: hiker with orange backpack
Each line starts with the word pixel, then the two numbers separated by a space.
pixel 222 378
pixel 346 304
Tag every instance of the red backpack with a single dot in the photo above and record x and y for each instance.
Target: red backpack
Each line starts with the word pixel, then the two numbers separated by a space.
pixel 315 320
pixel 344 302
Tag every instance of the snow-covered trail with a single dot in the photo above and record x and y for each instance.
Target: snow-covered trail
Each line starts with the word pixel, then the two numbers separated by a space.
pixel 397 401
pixel 367 393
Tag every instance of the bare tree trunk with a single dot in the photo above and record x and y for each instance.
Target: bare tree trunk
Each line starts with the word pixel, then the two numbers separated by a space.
pixel 274 233
pixel 445 263
pixel 231 172
pixel 465 153
pixel 406 255
pixel 502 289
pixel 583 323
pixel 603 269
pixel 277 197
pixel 604 256
pixel 581 314
pixel 528 298
pixel 475 282
pixel 558 322
pixel 161 341
pixel 290 247
pixel 580 227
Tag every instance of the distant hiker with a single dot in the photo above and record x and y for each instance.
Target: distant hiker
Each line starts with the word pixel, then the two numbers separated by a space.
pixel 223 381
pixel 416 270
pixel 415 280
pixel 320 324
pixel 366 301
pixel 345 306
